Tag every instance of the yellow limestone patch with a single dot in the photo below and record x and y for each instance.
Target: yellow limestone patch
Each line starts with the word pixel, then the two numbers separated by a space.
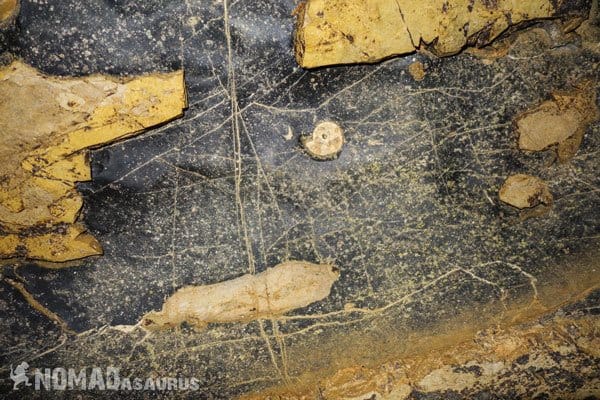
pixel 8 10
pixel 47 126
pixel 330 32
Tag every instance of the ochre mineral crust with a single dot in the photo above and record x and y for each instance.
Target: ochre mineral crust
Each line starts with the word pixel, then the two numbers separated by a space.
pixel 526 192
pixel 557 347
pixel 330 32
pixel 560 121
pixel 276 291
pixel 47 125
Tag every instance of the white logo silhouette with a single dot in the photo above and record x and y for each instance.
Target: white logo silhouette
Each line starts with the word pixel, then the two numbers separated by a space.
pixel 19 375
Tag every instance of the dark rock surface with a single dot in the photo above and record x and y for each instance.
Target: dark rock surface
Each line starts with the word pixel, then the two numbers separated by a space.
pixel 408 211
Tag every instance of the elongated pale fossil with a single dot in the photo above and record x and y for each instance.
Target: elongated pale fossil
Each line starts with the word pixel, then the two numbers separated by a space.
pixel 276 291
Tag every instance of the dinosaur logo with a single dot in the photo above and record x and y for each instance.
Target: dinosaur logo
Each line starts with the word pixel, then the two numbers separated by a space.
pixel 19 375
